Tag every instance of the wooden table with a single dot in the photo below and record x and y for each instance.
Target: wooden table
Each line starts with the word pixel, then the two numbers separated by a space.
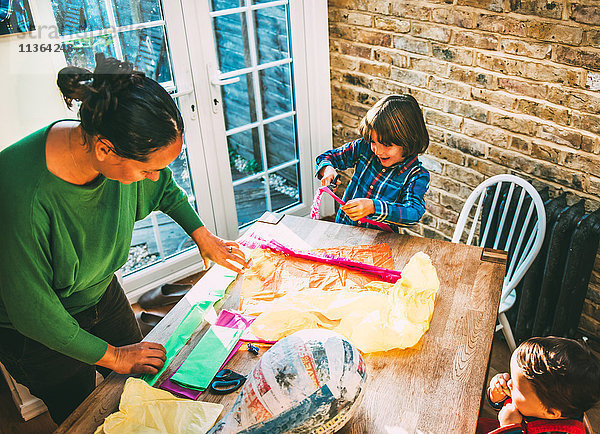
pixel 434 388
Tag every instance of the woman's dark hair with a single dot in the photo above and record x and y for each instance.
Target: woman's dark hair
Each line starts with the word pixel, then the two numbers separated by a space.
pixel 564 374
pixel 397 120
pixel 132 111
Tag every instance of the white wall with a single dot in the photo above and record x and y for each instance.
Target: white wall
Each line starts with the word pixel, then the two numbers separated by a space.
pixel 30 97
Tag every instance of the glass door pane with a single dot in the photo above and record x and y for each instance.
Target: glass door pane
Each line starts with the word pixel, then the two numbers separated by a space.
pixel 252 43
pixel 132 30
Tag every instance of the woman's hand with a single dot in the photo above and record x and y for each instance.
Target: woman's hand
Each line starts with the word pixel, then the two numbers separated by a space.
pixel 499 388
pixel 328 175
pixel 141 358
pixel 358 208
pixel 509 415
pixel 213 248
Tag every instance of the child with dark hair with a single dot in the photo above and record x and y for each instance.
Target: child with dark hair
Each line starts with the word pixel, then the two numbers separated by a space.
pixel 389 181
pixel 552 382
pixel 70 195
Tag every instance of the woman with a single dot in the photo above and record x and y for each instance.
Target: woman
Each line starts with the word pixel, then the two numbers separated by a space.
pixel 70 194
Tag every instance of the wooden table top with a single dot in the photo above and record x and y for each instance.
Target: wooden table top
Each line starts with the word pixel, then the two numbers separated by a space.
pixel 434 388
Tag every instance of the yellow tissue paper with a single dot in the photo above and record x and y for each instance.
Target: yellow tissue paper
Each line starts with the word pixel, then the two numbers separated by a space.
pixel 144 409
pixel 379 317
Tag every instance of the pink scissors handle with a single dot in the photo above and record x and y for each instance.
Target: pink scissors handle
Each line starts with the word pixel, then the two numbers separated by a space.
pixel 363 220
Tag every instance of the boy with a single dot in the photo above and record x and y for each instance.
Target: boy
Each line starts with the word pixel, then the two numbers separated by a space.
pixel 553 381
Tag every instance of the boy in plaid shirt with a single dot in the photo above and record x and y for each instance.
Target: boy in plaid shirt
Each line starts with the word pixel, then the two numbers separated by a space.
pixel 389 181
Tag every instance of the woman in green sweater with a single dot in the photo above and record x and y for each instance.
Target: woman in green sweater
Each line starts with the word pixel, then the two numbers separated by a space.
pixel 70 195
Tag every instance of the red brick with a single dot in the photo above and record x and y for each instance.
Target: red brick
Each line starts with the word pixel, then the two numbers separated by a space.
pixel 374 69
pixel 392 24
pixel 586 14
pixel 452 54
pixel 517 124
pixel 520 145
pixel 498 99
pixel 391 57
pixel 492 5
pixel 586 163
pixel 412 45
pixel 473 39
pixel 477 78
pixel 554 32
pixel 445 153
pixel 412 10
pixel 543 151
pixel 350 49
pixel 346 63
pixel 469 110
pixel 407 76
pixel 545 9
pixel 371 37
pixel 429 31
pixel 527 49
pixel 592 38
pixel 356 18
pixel 451 16
pixel 562 136
pixel 484 166
pixel 429 99
pixel 557 114
pixel 501 24
pixel 466 176
pixel 522 87
pixel 590 123
pixel 466 144
pixel 443 120
pixel 449 88
pixel 586 58
pixel 485 133
pixel 429 66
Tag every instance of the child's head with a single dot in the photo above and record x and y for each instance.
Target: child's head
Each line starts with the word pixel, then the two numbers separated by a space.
pixel 554 378
pixel 397 120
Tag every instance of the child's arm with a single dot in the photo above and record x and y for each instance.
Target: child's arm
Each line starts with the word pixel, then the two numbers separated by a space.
pixel 340 158
pixel 408 208
pixel 509 415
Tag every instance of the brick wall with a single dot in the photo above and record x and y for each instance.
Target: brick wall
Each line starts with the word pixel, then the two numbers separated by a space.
pixel 506 86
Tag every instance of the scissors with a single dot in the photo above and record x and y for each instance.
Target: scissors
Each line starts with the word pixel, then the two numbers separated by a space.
pixel 333 184
pixel 226 381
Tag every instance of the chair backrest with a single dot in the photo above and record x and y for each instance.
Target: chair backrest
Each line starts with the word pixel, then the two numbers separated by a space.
pixel 510 216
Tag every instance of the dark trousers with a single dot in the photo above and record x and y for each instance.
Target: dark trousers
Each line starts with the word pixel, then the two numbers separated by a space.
pixel 60 381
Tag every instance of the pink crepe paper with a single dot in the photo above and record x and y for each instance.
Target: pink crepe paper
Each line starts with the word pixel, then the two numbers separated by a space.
pixel 314 210
pixel 252 241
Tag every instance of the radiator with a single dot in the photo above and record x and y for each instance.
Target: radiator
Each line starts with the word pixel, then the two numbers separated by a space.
pixel 550 296
pixel 553 291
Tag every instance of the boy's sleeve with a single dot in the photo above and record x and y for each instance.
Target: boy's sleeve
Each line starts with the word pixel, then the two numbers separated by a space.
pixel 341 158
pixel 409 207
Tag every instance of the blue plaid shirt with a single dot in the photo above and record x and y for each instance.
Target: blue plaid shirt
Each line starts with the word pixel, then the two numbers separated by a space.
pixel 397 191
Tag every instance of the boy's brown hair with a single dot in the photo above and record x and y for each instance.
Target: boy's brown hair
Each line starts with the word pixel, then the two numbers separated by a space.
pixel 397 120
pixel 564 374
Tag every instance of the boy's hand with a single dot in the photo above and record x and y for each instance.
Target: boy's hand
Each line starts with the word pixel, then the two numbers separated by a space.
pixel 499 387
pixel 358 208
pixel 329 174
pixel 509 415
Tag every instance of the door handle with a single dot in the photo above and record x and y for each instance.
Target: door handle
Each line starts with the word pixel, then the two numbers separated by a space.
pixel 218 81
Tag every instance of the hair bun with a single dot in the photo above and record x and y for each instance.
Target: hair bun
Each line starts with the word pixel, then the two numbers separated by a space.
pixel 111 78
pixel 73 83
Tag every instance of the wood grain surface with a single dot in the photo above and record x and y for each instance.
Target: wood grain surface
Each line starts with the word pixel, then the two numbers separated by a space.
pixel 434 388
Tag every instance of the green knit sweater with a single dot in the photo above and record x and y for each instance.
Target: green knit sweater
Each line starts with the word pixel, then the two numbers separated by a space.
pixel 60 243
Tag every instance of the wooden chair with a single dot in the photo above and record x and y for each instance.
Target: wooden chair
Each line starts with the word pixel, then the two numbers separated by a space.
pixel 514 220
pixel 587 424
